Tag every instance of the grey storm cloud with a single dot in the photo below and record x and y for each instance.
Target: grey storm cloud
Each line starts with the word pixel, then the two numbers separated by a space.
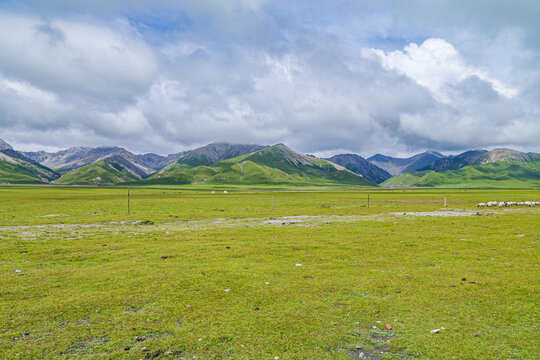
pixel 323 77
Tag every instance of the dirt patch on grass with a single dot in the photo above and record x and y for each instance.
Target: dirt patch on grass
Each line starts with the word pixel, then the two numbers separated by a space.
pixel 282 222
pixel 375 343
pixel 435 213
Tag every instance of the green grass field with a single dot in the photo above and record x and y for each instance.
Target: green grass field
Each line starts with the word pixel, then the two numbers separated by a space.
pixel 190 274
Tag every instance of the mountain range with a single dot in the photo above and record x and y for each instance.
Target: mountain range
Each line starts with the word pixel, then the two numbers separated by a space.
pixel 274 165
pixel 397 166
pixel 250 164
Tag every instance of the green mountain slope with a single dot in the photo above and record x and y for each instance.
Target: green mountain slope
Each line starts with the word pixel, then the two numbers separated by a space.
pixel 102 172
pixel 15 168
pixel 480 157
pixel 275 165
pixel 500 174
pixel 213 153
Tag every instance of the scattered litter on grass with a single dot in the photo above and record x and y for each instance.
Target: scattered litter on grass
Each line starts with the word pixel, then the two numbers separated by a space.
pixel 520 235
pixel 227 290
pixel 388 326
pixel 298 265
pixel 267 283
pixel 435 331
pixel 17 271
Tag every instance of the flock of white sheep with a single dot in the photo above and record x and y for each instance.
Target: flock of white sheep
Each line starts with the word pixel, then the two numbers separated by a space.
pixel 509 203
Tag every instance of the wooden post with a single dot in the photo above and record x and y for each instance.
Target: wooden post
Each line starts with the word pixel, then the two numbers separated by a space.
pixel 128 199
pixel 444 202
pixel 368 201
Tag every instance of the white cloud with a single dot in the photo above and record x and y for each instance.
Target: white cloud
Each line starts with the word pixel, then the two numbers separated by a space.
pixel 435 64
pixel 75 58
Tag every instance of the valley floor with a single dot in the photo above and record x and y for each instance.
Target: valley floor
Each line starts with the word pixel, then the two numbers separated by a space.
pixel 264 275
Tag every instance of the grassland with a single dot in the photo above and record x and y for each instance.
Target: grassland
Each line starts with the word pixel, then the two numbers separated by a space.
pixel 213 276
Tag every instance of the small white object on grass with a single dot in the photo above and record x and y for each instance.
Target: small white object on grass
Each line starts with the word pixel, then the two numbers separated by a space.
pixel 298 265
pixel 227 290
pixel 267 283
pixel 17 271
pixel 225 192
pixel 435 331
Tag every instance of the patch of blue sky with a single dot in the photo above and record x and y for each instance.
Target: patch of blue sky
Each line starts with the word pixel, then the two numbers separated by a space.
pixel 391 43
pixel 158 27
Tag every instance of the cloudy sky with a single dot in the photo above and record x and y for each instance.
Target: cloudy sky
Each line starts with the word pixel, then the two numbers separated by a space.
pixel 324 77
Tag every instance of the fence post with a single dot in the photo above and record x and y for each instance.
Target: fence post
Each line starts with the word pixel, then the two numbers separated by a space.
pixel 128 199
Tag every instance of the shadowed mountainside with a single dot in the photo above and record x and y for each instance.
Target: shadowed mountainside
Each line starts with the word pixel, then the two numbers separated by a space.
pixel 359 165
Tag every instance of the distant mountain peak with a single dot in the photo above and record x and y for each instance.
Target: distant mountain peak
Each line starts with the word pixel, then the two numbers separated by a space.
pixel 214 152
pixel 4 145
pixel 397 166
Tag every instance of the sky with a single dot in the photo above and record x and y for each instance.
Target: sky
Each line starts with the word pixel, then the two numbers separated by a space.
pixel 324 77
